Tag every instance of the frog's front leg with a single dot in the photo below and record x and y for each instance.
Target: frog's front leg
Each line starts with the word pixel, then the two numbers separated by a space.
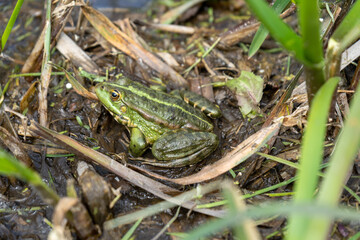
pixel 183 147
pixel 138 144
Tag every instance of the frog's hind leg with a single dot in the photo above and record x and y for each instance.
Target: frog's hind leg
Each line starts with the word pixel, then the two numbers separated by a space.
pixel 181 148
pixel 179 162
pixel 202 103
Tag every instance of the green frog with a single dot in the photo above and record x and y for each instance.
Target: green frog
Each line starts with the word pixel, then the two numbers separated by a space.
pixel 179 134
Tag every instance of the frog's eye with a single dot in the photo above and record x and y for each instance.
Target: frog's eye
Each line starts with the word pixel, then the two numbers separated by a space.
pixel 115 95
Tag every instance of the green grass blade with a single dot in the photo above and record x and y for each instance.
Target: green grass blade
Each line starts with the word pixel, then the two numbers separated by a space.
pixel 278 29
pixel 131 231
pixel 347 32
pixel 10 24
pixel 279 160
pixel 346 148
pixel 245 229
pixel 355 237
pixel 10 166
pixel 262 32
pixel 349 29
pixel 311 155
pixel 168 224
pixel 310 31
pixel 309 14
pixel 161 206
pixel 271 210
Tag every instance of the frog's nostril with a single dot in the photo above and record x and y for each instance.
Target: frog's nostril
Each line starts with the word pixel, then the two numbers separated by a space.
pixel 102 87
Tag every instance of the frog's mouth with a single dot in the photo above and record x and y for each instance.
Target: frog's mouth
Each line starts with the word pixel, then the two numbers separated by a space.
pixel 119 117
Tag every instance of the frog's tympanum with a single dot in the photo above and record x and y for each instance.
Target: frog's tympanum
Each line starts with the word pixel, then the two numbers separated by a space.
pixel 180 134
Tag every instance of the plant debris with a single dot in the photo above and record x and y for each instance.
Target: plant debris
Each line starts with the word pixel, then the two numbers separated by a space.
pixel 197 45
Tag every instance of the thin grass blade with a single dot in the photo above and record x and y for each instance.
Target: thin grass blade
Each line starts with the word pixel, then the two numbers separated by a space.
pixel 347 32
pixel 349 29
pixel 311 156
pixel 246 229
pixel 262 32
pixel 10 166
pixel 271 210
pixel 162 206
pixel 278 29
pixel 347 146
pixel 131 231
pixel 310 31
pixel 10 24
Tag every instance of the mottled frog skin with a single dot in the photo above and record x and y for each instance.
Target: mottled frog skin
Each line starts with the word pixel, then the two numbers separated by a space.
pixel 179 133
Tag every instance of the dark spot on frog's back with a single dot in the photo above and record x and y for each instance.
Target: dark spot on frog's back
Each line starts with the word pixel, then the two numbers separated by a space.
pixel 154 108
pixel 172 117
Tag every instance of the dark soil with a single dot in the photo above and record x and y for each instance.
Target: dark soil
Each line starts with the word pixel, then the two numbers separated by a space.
pixel 24 215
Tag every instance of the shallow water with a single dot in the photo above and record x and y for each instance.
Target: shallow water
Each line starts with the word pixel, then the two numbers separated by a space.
pixel 120 3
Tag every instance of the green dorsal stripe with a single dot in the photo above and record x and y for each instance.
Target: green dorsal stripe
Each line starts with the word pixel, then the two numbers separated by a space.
pixel 147 96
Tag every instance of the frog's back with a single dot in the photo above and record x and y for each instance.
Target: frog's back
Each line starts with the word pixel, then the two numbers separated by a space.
pixel 164 109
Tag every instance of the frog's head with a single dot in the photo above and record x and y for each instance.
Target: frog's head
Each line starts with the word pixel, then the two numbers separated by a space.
pixel 111 96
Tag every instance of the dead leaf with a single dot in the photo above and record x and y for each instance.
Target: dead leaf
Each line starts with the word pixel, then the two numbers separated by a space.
pixel 28 96
pixel 78 57
pixel 79 89
pixel 127 45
